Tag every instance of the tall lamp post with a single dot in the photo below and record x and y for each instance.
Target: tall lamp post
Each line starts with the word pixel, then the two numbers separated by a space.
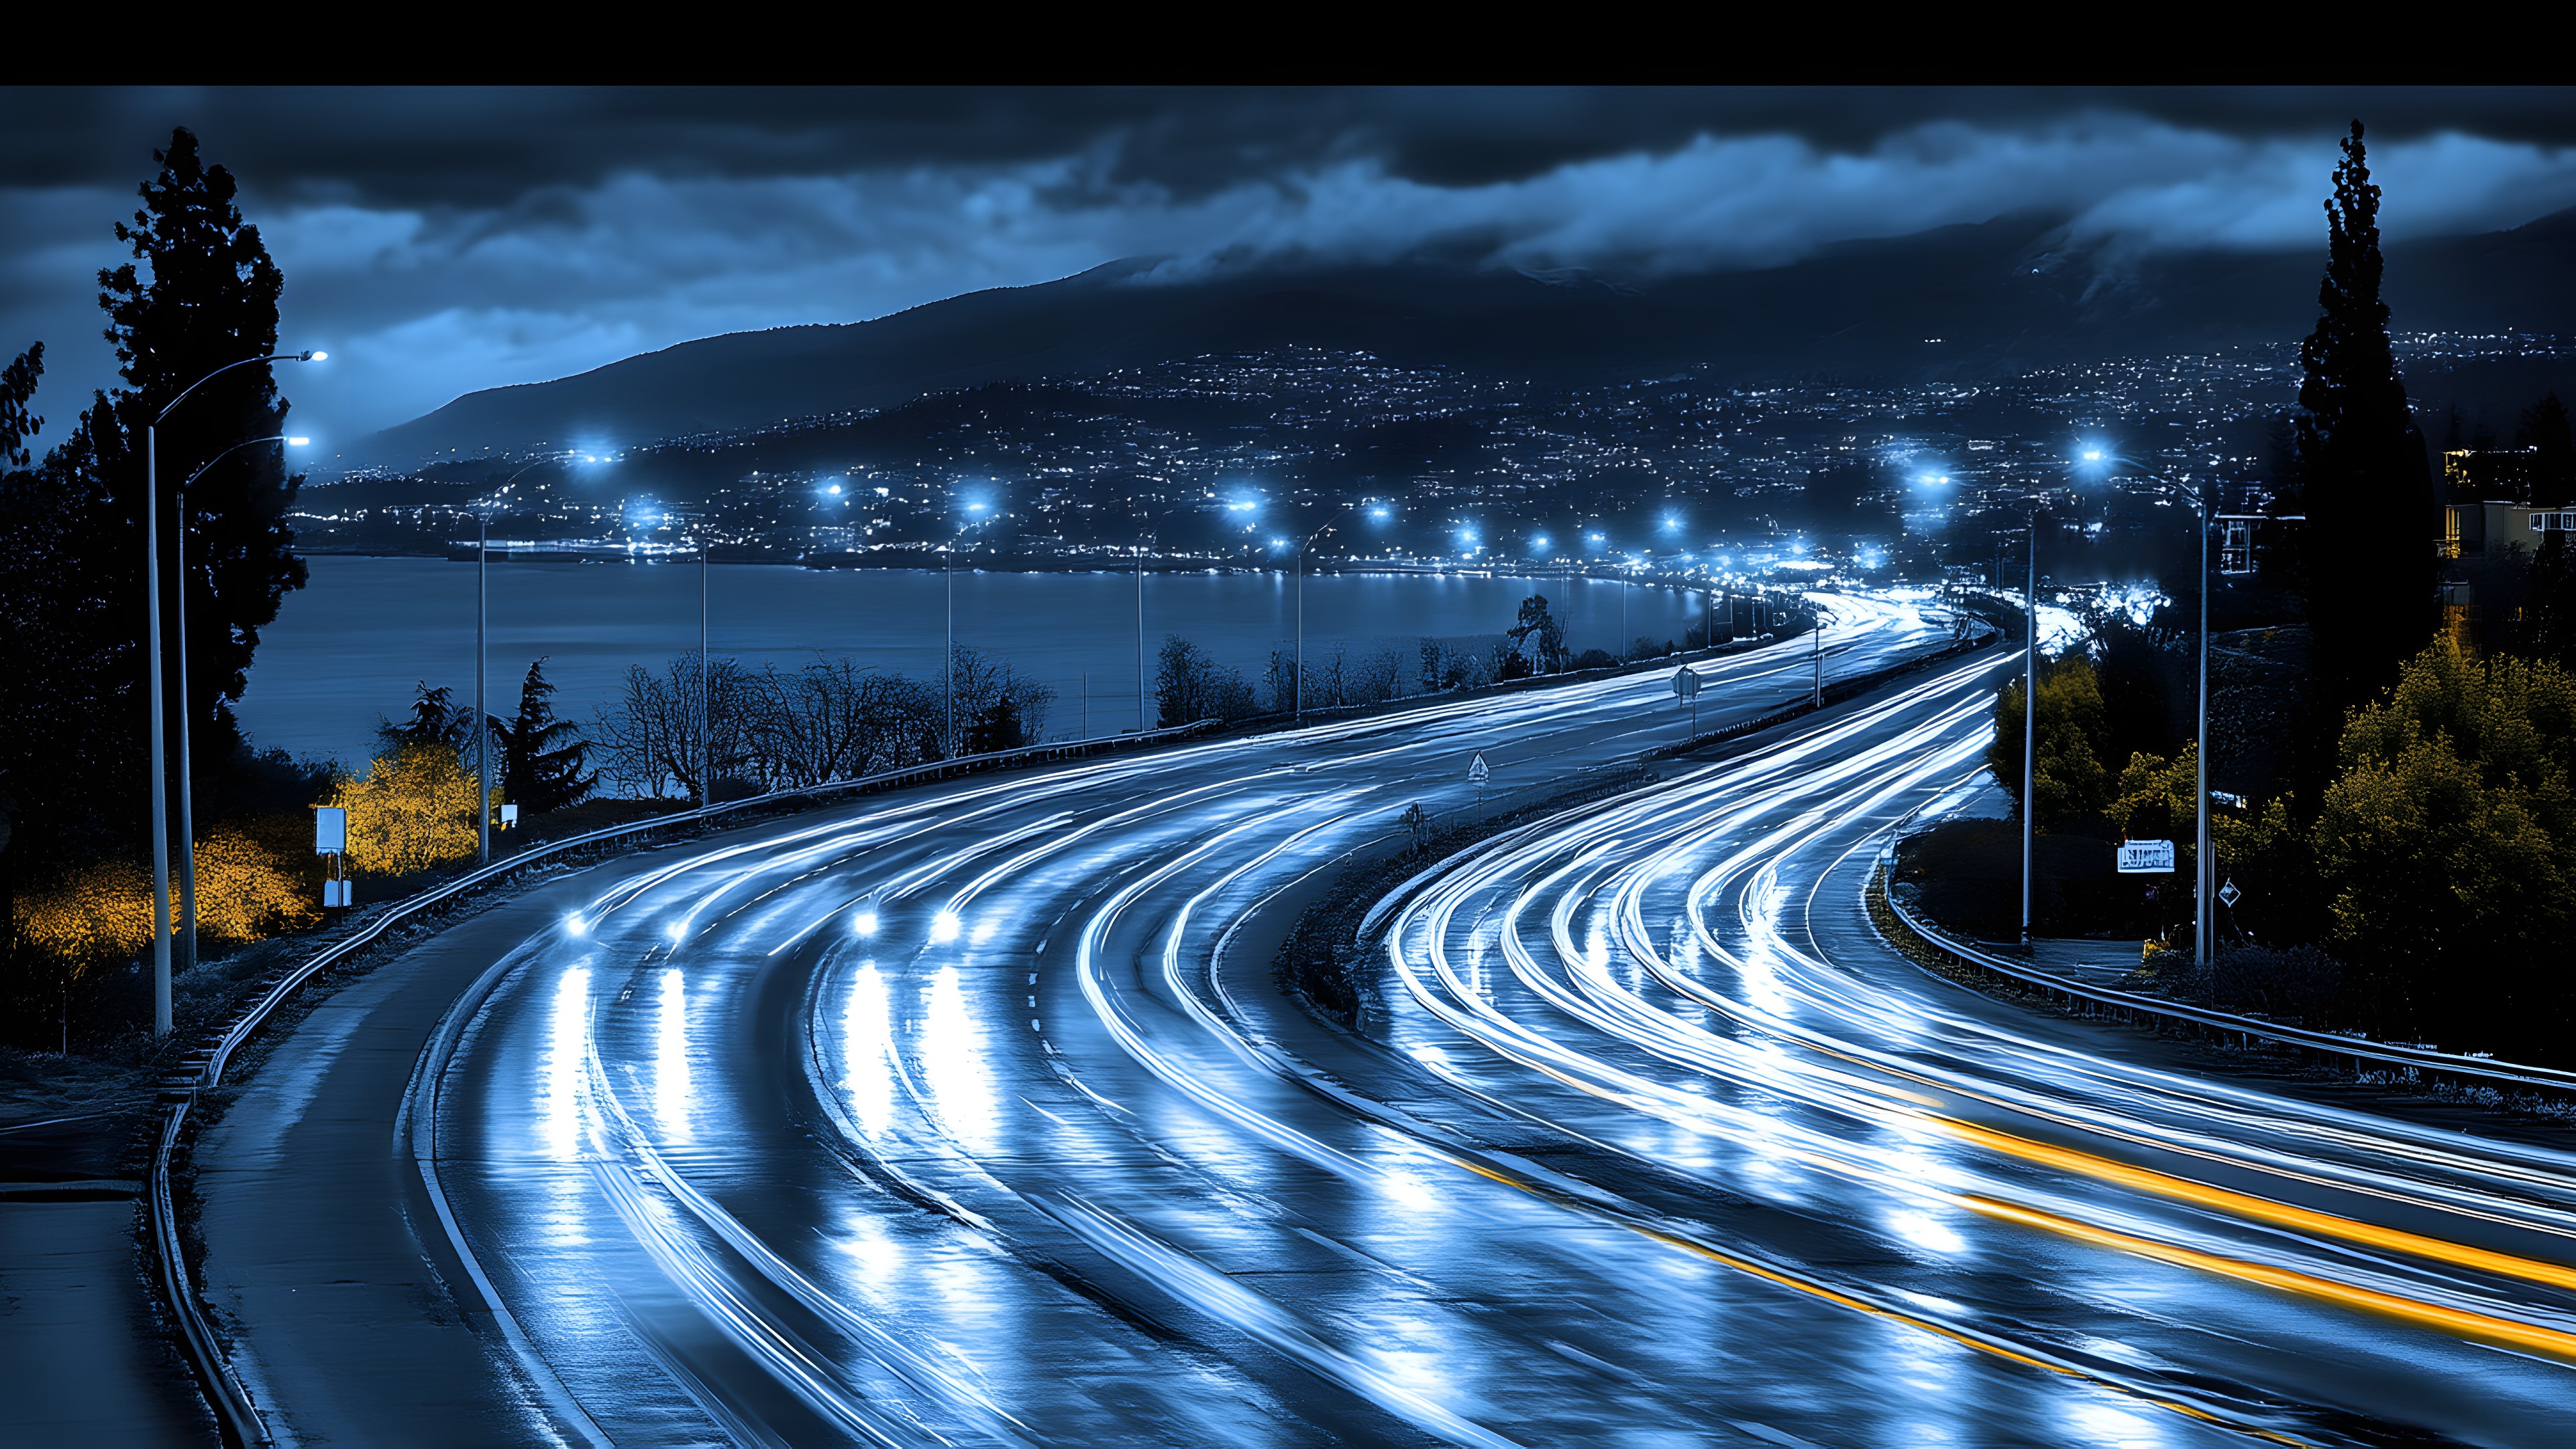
pixel 2029 715
pixel 187 785
pixel 482 718
pixel 159 708
pixel 1300 679
pixel 948 664
pixel 2203 869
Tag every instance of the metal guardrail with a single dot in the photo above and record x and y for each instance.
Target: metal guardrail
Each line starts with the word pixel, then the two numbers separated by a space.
pixel 236 1415
pixel 2415 1061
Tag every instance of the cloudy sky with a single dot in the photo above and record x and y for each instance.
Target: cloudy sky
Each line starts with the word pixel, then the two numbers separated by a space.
pixel 441 241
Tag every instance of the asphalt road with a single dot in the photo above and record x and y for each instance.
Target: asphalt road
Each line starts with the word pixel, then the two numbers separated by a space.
pixel 972 1115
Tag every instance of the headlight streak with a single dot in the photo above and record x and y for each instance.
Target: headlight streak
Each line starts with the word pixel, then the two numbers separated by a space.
pixel 724 875
pixel 1649 1028
pixel 629 1160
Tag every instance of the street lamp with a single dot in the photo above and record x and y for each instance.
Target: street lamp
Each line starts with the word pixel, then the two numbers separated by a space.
pixel 160 710
pixel 948 669
pixel 1300 678
pixel 187 786
pixel 482 719
pixel 2203 867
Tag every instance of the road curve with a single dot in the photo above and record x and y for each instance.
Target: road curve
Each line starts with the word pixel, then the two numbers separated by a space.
pixel 971 1116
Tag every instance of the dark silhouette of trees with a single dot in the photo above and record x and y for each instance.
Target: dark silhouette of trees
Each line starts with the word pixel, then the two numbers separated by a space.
pixel 1190 686
pixel 2545 431
pixel 543 758
pixel 2367 558
pixel 1537 638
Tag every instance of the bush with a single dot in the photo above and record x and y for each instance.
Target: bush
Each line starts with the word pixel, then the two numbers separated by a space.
pixel 2302 985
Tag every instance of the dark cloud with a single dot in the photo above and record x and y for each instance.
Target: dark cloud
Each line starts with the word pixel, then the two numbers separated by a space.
pixel 476 147
pixel 443 240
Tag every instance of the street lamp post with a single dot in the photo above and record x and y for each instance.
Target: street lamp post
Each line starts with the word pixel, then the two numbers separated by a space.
pixel 187 786
pixel 948 665
pixel 1142 545
pixel 2029 717
pixel 1299 680
pixel 706 688
pixel 158 743
pixel 2203 869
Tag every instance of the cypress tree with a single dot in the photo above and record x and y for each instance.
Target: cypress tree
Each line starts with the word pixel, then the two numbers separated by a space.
pixel 2367 557
pixel 543 756
pixel 204 296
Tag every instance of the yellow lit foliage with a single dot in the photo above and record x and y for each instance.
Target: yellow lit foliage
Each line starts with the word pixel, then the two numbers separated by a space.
pixel 245 891
pixel 101 914
pixel 414 810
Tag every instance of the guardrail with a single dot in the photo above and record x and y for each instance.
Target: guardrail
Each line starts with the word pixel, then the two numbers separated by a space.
pixel 2416 1062
pixel 236 1416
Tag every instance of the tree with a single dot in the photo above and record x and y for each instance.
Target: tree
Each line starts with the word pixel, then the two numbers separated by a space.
pixel 1538 637
pixel 413 809
pixel 995 728
pixel 2368 565
pixel 2545 432
pixel 2072 732
pixel 205 296
pixel 2447 852
pixel 543 758
pixel 436 719
pixel 1190 686
pixel 982 681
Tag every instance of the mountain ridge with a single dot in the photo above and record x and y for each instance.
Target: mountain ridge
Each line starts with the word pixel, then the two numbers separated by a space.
pixel 1954 303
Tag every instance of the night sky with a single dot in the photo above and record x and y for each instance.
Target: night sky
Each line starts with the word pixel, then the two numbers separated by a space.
pixel 441 241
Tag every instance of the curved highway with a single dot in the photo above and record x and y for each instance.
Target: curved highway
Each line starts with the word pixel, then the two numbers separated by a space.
pixel 973 1116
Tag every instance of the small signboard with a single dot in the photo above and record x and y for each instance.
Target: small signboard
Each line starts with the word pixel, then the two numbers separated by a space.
pixel 2146 857
pixel 1686 683
pixel 330 830
pixel 509 816
pixel 2228 895
pixel 1476 770
pixel 335 893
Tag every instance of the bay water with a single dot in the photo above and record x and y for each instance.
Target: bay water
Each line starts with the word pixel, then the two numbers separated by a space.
pixel 357 641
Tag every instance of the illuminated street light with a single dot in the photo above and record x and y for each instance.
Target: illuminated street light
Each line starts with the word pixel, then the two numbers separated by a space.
pixel 159 707
pixel 948 664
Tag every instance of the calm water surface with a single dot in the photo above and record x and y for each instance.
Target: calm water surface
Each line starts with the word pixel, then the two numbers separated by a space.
pixel 357 641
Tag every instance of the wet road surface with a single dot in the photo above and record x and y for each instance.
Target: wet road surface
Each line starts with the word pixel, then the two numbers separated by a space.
pixel 974 1116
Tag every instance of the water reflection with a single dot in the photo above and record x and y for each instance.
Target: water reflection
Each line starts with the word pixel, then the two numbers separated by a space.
pixel 867 1052
pixel 671 1059
pixel 951 1051
pixel 561 1075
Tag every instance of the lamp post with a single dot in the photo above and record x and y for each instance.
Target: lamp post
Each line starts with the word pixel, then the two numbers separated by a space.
pixel 187 787
pixel 1143 544
pixel 1300 662
pixel 2029 715
pixel 948 665
pixel 160 711
pixel 2203 869
pixel 482 718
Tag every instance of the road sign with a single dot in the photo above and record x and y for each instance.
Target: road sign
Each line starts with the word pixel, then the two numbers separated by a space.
pixel 330 830
pixel 2228 895
pixel 1686 683
pixel 2146 857
pixel 1476 770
